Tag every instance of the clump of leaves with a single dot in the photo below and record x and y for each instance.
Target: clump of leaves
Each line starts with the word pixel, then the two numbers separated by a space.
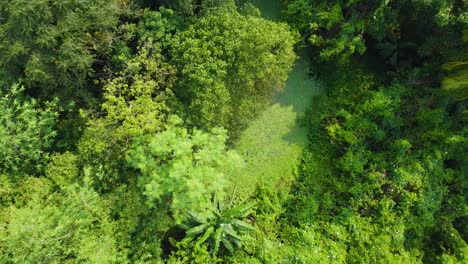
pixel 222 231
pixel 26 131
pixel 182 168
pixel 224 82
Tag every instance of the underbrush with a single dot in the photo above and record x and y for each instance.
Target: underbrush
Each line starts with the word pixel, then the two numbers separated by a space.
pixel 386 167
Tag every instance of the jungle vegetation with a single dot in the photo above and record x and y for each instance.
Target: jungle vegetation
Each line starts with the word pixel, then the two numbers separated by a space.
pixel 233 131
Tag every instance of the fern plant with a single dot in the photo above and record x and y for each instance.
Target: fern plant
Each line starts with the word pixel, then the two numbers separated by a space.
pixel 222 230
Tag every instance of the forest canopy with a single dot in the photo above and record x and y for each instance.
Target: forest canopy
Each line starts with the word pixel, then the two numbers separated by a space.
pixel 233 131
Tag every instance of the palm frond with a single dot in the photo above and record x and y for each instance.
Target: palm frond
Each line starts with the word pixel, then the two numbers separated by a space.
pixel 196 230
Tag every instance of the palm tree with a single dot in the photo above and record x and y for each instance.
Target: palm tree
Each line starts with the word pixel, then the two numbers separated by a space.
pixel 221 230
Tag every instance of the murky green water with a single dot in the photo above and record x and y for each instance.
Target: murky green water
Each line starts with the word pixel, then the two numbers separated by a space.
pixel 271 9
pixel 273 142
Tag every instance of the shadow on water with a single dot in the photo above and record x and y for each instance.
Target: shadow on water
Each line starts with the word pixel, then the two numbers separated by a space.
pixel 271 9
pixel 300 87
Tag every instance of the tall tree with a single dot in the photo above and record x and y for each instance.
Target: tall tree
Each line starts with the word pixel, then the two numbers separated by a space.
pixel 55 227
pixel 52 45
pixel 230 65
pixel 27 131
pixel 183 169
pixel 399 29
pixel 134 105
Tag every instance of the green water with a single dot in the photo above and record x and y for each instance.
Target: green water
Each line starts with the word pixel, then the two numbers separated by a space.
pixel 273 142
pixel 271 9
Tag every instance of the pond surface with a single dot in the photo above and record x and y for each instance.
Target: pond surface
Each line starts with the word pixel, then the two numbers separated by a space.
pixel 273 142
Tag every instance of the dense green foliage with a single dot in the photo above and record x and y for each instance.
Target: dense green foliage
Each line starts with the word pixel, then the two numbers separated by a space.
pixel 52 45
pixel 182 169
pixel 386 176
pixel 181 131
pixel 339 29
pixel 73 226
pixel 26 132
pixel 228 71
